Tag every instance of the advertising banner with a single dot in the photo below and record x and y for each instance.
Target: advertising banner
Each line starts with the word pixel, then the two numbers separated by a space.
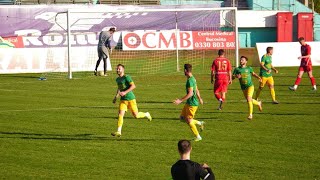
pixel 213 40
pixel 182 40
pixel 285 54
pixel 37 60
pixel 45 25
pixel 34 38
pixel 16 41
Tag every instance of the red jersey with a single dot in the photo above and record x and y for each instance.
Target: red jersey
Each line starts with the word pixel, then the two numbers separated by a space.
pixel 221 67
pixel 305 50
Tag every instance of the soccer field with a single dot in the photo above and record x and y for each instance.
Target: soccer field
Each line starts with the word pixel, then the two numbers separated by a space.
pixel 61 129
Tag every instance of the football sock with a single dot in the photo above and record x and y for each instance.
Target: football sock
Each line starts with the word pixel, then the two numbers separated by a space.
pixel 105 65
pixel 298 80
pixel 313 81
pixel 255 102
pixel 273 94
pixel 250 105
pixel 217 96
pixel 193 128
pixel 196 122
pixel 258 93
pixel 141 115
pixel 223 99
pixel 97 64
pixel 120 123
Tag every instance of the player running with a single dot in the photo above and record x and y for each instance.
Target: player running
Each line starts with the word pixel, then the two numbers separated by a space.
pixel 103 47
pixel 305 65
pixel 266 68
pixel 221 71
pixel 193 97
pixel 127 100
pixel 244 74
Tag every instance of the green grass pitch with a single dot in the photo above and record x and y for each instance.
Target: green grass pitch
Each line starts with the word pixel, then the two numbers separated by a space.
pixel 61 129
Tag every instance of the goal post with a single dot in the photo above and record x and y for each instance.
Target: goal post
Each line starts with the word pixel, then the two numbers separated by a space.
pixel 160 40
pixel 69 45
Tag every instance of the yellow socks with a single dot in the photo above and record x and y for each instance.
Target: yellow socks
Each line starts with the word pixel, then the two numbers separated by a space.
pixel 141 115
pixel 120 123
pixel 255 102
pixel 250 105
pixel 196 122
pixel 193 127
pixel 273 94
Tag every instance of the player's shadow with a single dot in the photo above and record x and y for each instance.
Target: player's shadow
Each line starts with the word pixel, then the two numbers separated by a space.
pixel 49 136
pixel 25 77
pixel 70 137
pixel 183 121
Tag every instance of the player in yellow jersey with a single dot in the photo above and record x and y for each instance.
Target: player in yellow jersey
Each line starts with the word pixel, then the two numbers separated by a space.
pixel 266 68
pixel 244 74
pixel 127 100
pixel 193 97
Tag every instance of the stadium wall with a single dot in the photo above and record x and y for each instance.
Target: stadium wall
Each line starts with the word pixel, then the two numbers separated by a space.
pixel 262 28
pixel 286 53
pixel 287 5
pixel 250 36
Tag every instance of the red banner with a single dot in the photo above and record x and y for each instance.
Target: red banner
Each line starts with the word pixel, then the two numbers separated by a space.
pixel 213 40
pixel 16 41
pixel 171 40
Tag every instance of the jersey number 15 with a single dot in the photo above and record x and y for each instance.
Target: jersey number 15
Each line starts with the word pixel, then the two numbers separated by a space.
pixel 222 65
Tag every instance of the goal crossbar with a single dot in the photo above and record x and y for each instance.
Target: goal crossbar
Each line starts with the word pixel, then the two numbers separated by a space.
pixel 100 10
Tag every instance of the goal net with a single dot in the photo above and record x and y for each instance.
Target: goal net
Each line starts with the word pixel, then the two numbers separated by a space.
pixel 148 40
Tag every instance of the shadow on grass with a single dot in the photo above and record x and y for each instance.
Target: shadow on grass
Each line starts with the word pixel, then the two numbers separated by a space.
pixel 178 120
pixel 71 137
pixel 39 134
pixel 32 76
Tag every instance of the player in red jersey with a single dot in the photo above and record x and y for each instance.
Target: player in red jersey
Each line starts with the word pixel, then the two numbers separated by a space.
pixel 305 65
pixel 221 72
